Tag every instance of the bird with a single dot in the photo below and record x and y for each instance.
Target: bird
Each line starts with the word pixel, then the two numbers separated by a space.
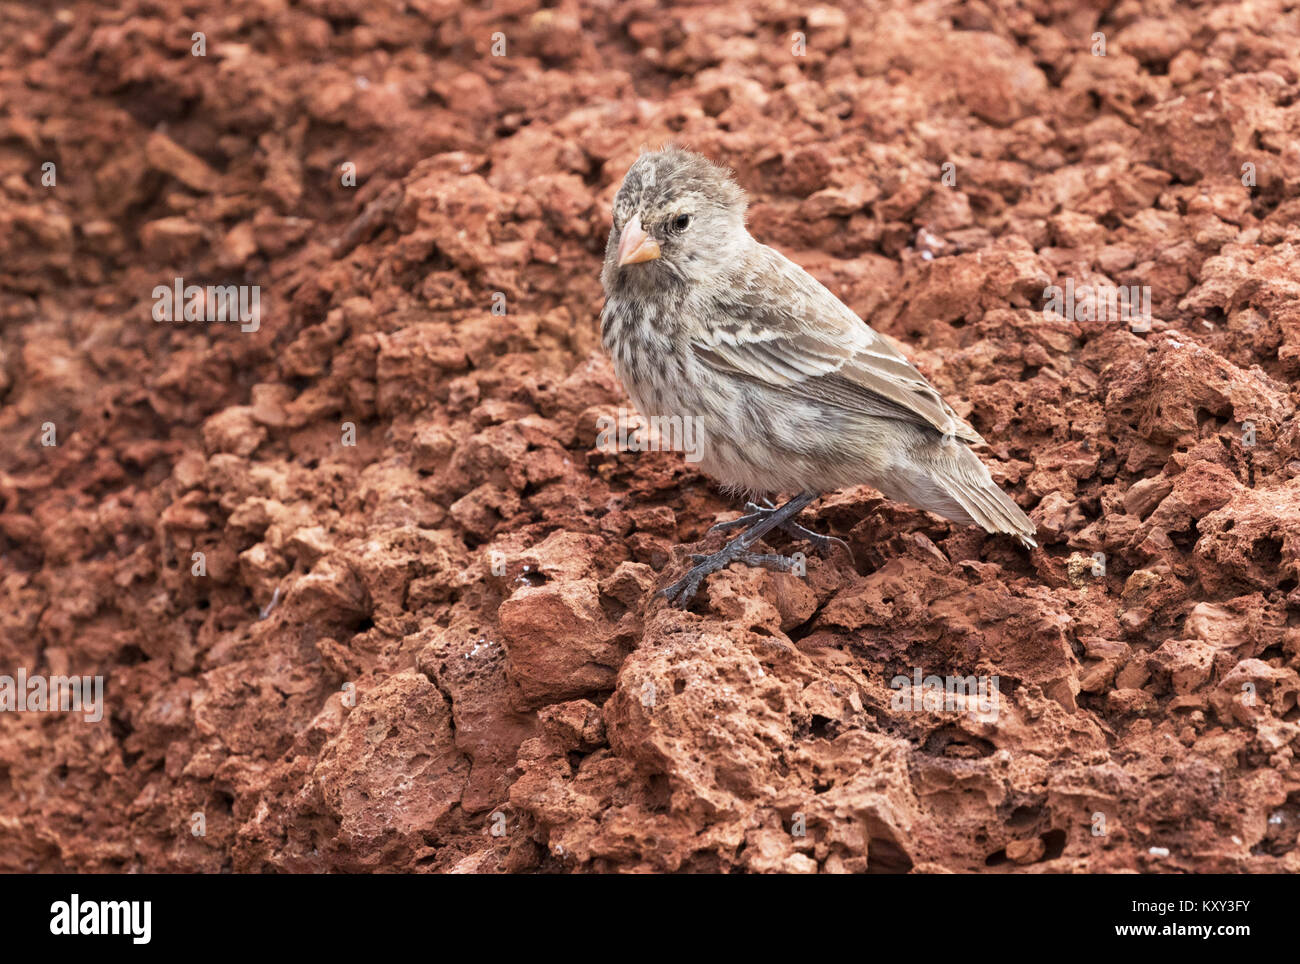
pixel 788 389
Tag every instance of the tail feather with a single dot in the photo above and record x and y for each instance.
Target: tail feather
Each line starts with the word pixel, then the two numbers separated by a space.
pixel 966 479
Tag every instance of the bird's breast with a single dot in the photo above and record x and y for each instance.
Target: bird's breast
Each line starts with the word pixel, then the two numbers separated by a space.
pixel 651 354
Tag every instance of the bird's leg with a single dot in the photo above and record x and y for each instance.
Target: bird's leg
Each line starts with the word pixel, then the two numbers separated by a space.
pixel 753 513
pixel 683 591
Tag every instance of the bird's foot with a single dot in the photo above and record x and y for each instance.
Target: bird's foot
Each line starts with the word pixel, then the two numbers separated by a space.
pixel 681 593
pixel 756 513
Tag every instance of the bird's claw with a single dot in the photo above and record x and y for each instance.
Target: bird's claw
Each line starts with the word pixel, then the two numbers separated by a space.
pixel 754 513
pixel 681 592
pixel 824 544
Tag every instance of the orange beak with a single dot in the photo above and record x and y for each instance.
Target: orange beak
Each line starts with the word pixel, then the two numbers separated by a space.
pixel 634 245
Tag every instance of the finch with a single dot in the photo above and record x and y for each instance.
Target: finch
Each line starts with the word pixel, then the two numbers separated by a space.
pixel 788 389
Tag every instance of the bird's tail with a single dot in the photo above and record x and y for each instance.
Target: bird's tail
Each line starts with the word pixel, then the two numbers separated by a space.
pixel 965 480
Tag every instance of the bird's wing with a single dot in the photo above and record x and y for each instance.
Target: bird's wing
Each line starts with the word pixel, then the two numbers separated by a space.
pixel 780 326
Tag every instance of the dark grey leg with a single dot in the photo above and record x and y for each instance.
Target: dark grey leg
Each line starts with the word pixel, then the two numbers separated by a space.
pixel 753 513
pixel 683 591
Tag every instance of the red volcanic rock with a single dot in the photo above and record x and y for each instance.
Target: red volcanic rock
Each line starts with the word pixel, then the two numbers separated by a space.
pixel 393 771
pixel 557 642
pixel 1253 541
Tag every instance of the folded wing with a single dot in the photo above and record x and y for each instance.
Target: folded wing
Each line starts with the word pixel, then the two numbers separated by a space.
pixel 785 329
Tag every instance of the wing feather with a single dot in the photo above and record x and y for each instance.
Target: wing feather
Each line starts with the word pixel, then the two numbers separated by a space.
pixel 785 329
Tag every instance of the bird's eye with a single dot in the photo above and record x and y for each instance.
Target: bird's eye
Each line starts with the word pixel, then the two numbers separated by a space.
pixel 681 221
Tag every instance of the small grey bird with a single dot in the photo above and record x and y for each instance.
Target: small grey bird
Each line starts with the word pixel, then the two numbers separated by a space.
pixel 788 389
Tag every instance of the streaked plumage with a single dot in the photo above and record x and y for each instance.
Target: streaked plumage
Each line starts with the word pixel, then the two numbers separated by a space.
pixel 794 392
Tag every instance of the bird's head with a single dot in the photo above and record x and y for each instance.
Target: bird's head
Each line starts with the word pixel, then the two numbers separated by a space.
pixel 679 219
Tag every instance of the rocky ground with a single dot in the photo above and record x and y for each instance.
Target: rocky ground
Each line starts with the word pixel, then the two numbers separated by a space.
pixel 439 648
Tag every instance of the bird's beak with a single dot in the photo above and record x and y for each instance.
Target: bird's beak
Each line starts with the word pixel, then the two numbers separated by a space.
pixel 634 245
